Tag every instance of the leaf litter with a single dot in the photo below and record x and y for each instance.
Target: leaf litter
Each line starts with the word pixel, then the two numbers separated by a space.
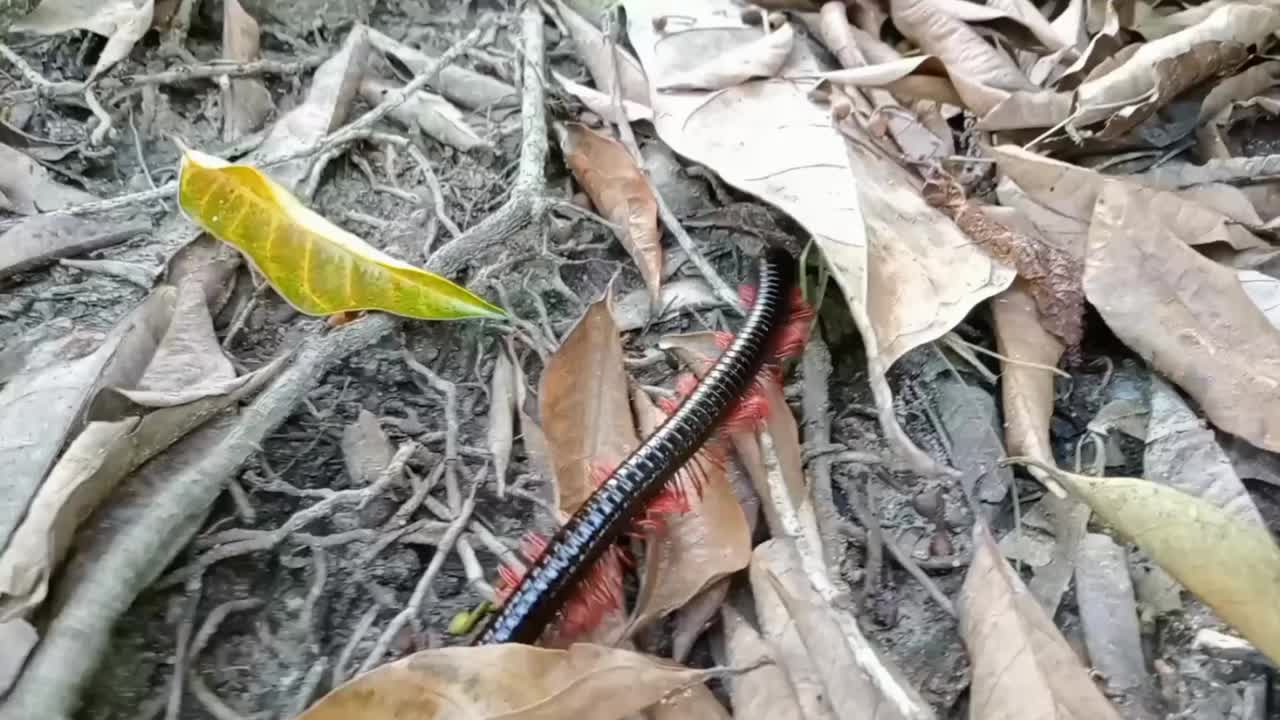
pixel 1002 184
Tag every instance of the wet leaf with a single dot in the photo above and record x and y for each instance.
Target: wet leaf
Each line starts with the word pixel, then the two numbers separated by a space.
pixel 123 22
pixel 431 113
pixel 1184 454
pixel 714 59
pixel 689 551
pixel 1162 68
pixel 1022 666
pixel 246 102
pixel 29 188
pixel 585 411
pixel 1186 314
pixel 1233 566
pixel 598 55
pixel 316 266
pixel 186 382
pixel 511 682
pixel 620 191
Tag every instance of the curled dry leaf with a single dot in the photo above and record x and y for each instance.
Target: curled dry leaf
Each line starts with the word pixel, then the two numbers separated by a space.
pixel 1053 276
pixel 428 112
pixel 1186 314
pixel 586 414
pixel 1184 454
pixel 691 550
pixel 30 189
pixel 1233 566
pixel 602 104
pixel 511 682
pixel 506 392
pixel 959 46
pixel 718 58
pixel 1176 61
pixel 123 22
pixel 1022 667
pixel 246 102
pixel 468 88
pixel 765 693
pixel 1026 387
pixel 186 382
pixel 621 192
pixel 601 56
pixel 316 266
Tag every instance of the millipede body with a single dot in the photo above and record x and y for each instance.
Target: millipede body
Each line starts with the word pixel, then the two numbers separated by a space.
pixel 533 603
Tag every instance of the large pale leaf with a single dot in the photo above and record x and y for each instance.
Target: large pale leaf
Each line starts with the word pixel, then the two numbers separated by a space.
pixel 1230 564
pixel 316 266
pixel 586 413
pixel 512 682
pixel 1186 314
pixel 1023 668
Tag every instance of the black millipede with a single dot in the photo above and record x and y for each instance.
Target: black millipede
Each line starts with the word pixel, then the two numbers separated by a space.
pixel 535 601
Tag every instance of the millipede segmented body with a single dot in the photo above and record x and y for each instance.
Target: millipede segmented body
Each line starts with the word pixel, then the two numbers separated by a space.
pixel 534 603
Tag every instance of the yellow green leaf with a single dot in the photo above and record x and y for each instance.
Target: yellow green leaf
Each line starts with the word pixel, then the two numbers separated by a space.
pixel 1233 566
pixel 316 266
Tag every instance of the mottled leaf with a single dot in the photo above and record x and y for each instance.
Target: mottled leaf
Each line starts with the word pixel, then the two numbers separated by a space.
pixel 316 266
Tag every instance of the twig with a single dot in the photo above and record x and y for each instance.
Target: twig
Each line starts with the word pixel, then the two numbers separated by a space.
pixel 214 620
pixel 210 700
pixel 525 202
pixel 361 629
pixel 27 72
pixel 474 571
pixel 414 607
pixel 450 392
pixel 437 195
pixel 181 653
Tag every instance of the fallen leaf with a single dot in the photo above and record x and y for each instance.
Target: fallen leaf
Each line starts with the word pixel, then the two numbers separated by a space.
pixel 504 389
pixel 316 266
pixel 961 49
pixel 1233 566
pixel 765 693
pixel 366 449
pixel 692 550
pixel 585 412
pixel 967 414
pixel 42 239
pixel 123 22
pixel 1184 454
pixel 508 682
pixel 691 703
pixel 468 88
pixel 1026 378
pixel 602 104
pixel 186 382
pixel 719 58
pixel 17 640
pixel 30 189
pixel 1139 79
pixel 1022 667
pixel 41 408
pixel 634 310
pixel 595 52
pixel 431 113
pixel 1212 137
pixel 1185 314
pixel 621 192
pixel 246 102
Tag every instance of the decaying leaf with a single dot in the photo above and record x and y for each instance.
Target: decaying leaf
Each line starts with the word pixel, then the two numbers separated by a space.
pixel 1022 666
pixel 718 58
pixel 431 113
pixel 689 551
pixel 246 102
pixel 585 410
pixel 187 381
pixel 1184 454
pixel 620 191
pixel 1233 566
pixel 511 682
pixel 316 266
pixel 123 22
pixel 1186 314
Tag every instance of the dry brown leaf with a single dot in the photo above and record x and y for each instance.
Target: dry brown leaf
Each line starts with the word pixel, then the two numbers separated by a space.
pixel 1244 86
pixel 1185 313
pixel 586 414
pixel 1053 276
pixel 431 113
pixel 594 51
pixel 1184 454
pixel 1026 391
pixel 1233 566
pixel 765 693
pixel 621 192
pixel 1020 21
pixel 602 104
pixel 1072 191
pixel 1139 79
pixel 246 103
pixel 1022 667
pixel 508 682
pixel 123 22
pixel 466 87
pixel 718 58
pixel 960 48
pixel 689 551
